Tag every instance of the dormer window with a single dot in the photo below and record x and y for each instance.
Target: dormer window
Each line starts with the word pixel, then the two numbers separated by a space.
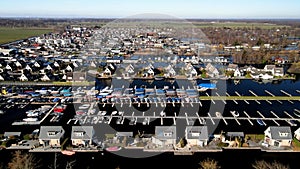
pixel 168 134
pixel 195 133
pixel 52 133
pixel 283 134
pixel 79 133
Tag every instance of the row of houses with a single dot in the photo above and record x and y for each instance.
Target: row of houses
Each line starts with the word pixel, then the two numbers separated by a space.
pixel 164 136
pixel 268 72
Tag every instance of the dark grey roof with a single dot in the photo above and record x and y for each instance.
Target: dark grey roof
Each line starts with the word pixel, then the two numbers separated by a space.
pixel 8 134
pixel 165 132
pixel 51 132
pixel 125 134
pixel 82 132
pixel 280 132
pixel 196 132
pixel 235 134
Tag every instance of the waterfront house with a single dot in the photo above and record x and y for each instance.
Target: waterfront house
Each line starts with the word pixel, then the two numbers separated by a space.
pixel 232 67
pixel 82 135
pixel 261 75
pixel 278 136
pixel 211 70
pixel 270 68
pixel 196 135
pixel 28 68
pixel 45 78
pixel 51 136
pixel 278 71
pixel 164 136
pixel 23 78
pixel 12 135
pixel 297 134
pixel 237 73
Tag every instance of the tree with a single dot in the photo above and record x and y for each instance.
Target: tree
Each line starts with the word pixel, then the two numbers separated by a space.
pixel 209 164
pixel 267 165
pixel 23 161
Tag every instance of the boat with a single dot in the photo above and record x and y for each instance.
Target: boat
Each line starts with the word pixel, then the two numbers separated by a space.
pixel 30 119
pixel 235 113
pixel 296 112
pixel 218 114
pixel 114 148
pixel 205 86
pixel 260 122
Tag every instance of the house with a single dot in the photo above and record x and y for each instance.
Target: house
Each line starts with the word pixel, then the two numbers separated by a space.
pixel 129 69
pixel 107 71
pixel 55 64
pixel 196 135
pixel 8 67
pixel 10 135
pixel 82 135
pixel 28 68
pixel 211 70
pixel 278 136
pixel 69 76
pixel 165 136
pixel 150 71
pixel 278 71
pixel 45 78
pixel 192 72
pixel 270 68
pixel 261 75
pixel 170 71
pixel 237 73
pixel 232 67
pixel 51 136
pixel 48 67
pixel 37 65
pixel 297 134
pixel 23 78
pixel 69 68
pixel 79 76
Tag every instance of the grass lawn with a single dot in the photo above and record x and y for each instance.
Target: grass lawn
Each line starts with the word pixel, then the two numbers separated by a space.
pixel 296 144
pixel 255 137
pixel 12 34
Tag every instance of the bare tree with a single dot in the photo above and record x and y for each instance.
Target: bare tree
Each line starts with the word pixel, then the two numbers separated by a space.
pixel 23 161
pixel 209 164
pixel 267 165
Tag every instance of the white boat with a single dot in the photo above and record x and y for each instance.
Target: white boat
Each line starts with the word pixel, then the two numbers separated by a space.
pixel 30 119
pixel 235 113
pixel 218 114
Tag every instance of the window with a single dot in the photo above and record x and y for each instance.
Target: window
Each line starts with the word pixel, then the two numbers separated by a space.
pixel 79 133
pixel 283 134
pixel 195 133
pixel 52 133
pixel 168 134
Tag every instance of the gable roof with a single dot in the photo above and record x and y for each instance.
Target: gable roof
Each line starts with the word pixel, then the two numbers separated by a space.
pixel 86 132
pixel 280 132
pixel 56 132
pixel 165 132
pixel 196 132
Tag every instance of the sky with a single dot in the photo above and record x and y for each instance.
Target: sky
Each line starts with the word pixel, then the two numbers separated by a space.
pixel 209 9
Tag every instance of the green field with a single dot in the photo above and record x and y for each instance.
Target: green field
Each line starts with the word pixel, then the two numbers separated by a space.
pixel 13 34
